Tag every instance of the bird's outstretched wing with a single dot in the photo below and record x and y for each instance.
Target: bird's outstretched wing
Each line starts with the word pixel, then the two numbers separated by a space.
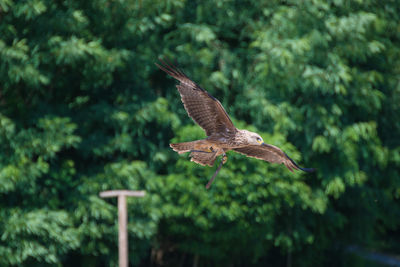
pixel 202 107
pixel 271 154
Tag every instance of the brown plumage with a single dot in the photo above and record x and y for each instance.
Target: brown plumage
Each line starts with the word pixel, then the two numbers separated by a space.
pixel 222 135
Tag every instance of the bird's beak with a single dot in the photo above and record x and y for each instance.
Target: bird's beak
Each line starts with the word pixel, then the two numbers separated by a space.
pixel 261 142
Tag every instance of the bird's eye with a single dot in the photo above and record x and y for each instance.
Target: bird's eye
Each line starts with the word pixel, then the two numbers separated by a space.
pixel 258 139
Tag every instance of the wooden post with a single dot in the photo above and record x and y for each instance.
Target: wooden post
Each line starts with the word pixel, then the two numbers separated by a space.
pixel 122 221
pixel 122 232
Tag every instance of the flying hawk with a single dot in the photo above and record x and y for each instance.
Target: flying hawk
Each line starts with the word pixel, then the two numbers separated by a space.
pixel 222 135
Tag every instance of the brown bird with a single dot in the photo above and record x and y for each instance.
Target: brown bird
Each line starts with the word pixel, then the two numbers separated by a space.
pixel 222 135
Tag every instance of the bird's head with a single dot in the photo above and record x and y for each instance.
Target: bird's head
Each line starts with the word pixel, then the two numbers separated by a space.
pixel 253 138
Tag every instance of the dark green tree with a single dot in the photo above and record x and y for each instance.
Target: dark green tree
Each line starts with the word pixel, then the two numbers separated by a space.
pixel 83 109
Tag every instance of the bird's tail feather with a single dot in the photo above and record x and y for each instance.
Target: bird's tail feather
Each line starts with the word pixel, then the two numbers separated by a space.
pixel 186 146
pixel 201 152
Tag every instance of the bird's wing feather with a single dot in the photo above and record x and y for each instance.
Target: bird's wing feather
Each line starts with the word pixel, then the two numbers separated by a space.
pixel 271 154
pixel 202 107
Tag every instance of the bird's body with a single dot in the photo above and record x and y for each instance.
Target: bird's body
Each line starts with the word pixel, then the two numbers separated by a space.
pixel 222 135
pixel 217 143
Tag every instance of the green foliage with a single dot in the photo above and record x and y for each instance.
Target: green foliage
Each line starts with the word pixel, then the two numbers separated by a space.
pixel 83 109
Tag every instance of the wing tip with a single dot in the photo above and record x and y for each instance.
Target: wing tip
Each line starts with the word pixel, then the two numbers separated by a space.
pixel 166 66
pixel 309 170
pixel 177 73
pixel 170 68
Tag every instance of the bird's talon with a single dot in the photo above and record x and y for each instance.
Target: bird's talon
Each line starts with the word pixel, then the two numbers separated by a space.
pixel 224 159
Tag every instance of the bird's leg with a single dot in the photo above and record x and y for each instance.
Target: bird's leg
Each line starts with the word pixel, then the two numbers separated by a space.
pixel 223 160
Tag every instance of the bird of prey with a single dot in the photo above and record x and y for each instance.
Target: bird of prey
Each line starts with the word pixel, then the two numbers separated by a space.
pixel 222 135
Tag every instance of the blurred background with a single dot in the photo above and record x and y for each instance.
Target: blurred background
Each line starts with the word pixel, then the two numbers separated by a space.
pixel 84 109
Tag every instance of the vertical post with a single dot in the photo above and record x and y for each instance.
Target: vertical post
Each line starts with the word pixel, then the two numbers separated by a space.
pixel 122 221
pixel 123 232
